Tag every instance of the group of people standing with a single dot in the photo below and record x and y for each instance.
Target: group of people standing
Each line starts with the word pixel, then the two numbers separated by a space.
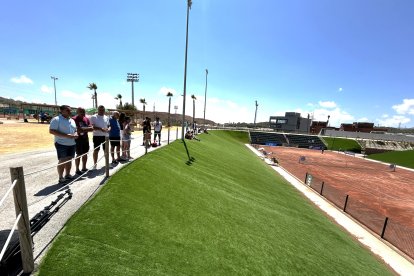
pixel 71 136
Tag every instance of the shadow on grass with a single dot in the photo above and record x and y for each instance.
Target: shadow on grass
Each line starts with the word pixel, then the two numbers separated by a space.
pixel 191 159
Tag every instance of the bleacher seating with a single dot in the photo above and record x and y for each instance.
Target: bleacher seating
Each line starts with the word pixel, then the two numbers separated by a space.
pixel 267 138
pixel 305 141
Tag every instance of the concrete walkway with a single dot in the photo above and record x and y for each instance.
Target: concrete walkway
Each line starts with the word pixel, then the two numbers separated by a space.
pixel 391 257
pixel 43 187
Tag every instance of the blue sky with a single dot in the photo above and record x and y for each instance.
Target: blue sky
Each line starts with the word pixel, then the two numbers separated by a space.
pixel 350 59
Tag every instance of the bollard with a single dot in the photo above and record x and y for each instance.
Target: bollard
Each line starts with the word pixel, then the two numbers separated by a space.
pixel 346 202
pixel 383 228
pixel 107 156
pixel 20 205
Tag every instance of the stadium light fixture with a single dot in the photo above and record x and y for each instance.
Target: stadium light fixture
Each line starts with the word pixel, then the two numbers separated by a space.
pixel 132 77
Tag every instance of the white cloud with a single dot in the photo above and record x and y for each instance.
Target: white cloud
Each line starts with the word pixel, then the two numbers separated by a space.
pixel 20 98
pixel 340 89
pixel 337 116
pixel 46 89
pixel 310 104
pixel 407 107
pixel 363 119
pixel 21 79
pixel 327 104
pixel 385 116
pixel 394 121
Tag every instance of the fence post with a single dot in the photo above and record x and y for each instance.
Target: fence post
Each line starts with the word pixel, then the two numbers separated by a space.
pixel 107 156
pixel 346 202
pixel 323 183
pixel 20 205
pixel 383 228
pixel 168 134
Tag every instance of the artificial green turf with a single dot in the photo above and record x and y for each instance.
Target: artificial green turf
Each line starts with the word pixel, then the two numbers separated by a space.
pixel 226 212
pixel 342 144
pixel 400 158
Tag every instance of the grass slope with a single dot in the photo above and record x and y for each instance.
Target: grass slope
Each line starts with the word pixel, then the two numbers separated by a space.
pixel 225 213
pixel 401 158
pixel 342 144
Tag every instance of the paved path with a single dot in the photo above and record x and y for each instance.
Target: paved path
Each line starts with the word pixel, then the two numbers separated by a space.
pixel 43 187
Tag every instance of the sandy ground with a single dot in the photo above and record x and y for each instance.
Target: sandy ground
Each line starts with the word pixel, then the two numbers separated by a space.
pixel 16 136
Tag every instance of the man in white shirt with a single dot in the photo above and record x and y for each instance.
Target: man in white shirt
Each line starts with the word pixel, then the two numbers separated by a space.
pixel 157 130
pixel 100 123
pixel 63 127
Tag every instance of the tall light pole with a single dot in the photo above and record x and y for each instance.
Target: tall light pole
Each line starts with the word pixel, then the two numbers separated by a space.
pixel 54 85
pixel 255 113
pixel 189 2
pixel 132 77
pixel 205 101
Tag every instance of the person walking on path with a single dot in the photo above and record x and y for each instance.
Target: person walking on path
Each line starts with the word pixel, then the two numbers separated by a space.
pixel 63 127
pixel 157 130
pixel 126 138
pixel 146 129
pixel 115 136
pixel 100 123
pixel 83 126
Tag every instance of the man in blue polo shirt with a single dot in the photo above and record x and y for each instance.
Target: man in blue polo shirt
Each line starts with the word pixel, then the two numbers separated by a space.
pixel 63 127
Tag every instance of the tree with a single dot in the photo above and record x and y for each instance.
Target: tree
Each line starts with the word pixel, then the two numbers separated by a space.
pixel 93 86
pixel 119 97
pixel 128 106
pixel 142 100
pixel 194 98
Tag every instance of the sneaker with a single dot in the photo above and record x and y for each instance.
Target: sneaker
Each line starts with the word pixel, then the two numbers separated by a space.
pixel 114 162
pixel 62 180
pixel 78 172
pixel 84 170
pixel 69 177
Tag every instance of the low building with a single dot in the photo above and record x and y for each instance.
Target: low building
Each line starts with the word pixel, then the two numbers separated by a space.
pixel 362 127
pixel 291 122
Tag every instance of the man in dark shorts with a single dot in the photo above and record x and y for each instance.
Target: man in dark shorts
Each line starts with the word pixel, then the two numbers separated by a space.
pixel 115 136
pixel 63 127
pixel 100 123
pixel 83 126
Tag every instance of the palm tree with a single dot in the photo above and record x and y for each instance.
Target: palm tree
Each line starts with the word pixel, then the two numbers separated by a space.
pixel 194 98
pixel 169 95
pixel 119 97
pixel 93 86
pixel 142 100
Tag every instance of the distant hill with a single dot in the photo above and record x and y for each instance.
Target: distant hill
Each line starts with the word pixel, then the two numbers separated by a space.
pixel 175 118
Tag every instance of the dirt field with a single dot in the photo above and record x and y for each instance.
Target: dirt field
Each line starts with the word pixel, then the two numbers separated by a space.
pixel 391 193
pixel 17 136
pixel 374 191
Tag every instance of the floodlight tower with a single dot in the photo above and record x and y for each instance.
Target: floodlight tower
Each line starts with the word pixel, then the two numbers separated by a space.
pixel 189 2
pixel 255 113
pixel 54 85
pixel 132 77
